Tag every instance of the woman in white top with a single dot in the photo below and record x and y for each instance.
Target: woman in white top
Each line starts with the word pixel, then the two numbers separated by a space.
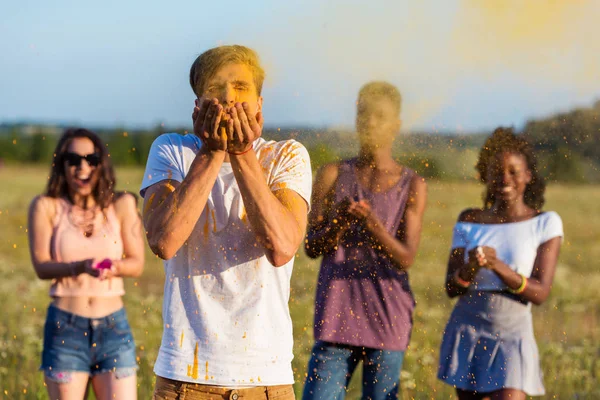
pixel 503 258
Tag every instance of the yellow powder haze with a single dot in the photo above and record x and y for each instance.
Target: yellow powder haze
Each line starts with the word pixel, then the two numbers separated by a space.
pixel 536 39
pixel 429 49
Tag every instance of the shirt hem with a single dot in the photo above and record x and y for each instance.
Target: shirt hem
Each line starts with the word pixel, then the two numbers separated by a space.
pixel 228 384
pixel 357 344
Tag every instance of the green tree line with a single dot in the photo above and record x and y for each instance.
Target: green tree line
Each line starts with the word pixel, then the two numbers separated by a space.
pixel 567 144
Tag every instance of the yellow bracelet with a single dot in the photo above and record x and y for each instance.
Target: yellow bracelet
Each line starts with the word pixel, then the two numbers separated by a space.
pixel 170 187
pixel 521 288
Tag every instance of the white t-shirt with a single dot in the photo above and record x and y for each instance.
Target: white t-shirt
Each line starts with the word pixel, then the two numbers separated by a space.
pixel 225 309
pixel 516 244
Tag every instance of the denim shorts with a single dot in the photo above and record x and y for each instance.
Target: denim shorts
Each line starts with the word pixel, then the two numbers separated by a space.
pixel 93 345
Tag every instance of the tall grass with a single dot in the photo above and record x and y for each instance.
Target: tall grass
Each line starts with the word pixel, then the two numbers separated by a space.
pixel 566 326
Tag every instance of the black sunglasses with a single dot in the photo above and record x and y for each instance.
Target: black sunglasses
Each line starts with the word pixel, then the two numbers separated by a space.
pixel 74 159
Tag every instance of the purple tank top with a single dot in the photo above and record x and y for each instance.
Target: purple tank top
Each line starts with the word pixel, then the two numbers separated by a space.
pixel 362 298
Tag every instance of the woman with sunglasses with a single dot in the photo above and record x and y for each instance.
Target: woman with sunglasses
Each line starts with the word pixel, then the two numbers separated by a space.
pixel 84 237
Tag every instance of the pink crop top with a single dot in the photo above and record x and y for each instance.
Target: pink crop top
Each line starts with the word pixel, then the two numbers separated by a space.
pixel 69 243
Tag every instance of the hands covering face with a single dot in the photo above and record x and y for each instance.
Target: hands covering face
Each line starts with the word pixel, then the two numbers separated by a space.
pixel 233 129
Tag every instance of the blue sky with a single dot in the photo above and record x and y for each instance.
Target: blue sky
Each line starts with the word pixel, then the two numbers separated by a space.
pixel 460 65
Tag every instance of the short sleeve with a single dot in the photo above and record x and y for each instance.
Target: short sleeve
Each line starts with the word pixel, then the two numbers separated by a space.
pixel 164 161
pixel 459 238
pixel 293 171
pixel 551 227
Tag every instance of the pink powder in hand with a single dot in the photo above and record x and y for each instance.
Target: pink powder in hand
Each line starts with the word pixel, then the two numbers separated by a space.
pixel 104 264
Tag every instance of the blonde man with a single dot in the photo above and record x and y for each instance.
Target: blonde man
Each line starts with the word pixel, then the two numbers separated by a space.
pixel 227 211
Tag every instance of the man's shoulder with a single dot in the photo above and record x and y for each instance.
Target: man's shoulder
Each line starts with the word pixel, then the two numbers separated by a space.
pixel 178 140
pixel 281 148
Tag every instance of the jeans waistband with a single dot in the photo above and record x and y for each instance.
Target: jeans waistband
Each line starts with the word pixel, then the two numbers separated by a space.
pixel 174 387
pixel 56 313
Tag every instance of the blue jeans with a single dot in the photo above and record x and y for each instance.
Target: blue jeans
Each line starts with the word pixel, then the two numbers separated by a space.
pixel 94 345
pixel 331 366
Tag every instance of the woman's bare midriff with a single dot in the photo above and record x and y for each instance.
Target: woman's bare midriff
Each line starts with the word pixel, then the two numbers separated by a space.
pixel 89 307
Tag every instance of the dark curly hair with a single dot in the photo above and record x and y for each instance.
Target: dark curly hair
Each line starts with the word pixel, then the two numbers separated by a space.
pixel 103 192
pixel 505 140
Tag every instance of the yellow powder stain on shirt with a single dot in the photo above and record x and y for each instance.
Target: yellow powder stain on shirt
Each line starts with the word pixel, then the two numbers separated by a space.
pixel 244 216
pixel 214 221
pixel 206 375
pixel 206 231
pixel 281 185
pixel 181 340
pixel 192 370
pixel 266 151
pixel 244 337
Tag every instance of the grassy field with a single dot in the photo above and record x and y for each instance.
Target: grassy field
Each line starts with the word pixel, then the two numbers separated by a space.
pixel 567 326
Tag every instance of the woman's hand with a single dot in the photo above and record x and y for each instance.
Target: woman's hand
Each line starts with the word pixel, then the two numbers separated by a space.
pixel 85 267
pixel 486 257
pixel 339 214
pixel 364 214
pixel 476 261
pixel 106 269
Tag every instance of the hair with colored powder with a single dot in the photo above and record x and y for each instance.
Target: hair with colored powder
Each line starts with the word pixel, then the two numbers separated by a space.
pixel 381 89
pixel 504 140
pixel 208 63
pixel 103 192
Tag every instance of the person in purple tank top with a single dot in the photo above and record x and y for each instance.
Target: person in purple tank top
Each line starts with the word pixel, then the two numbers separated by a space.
pixel 365 222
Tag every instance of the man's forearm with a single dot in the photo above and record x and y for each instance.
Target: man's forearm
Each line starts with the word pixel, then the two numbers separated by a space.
pixel 274 225
pixel 170 223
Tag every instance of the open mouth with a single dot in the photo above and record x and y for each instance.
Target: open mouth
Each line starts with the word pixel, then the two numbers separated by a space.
pixel 82 181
